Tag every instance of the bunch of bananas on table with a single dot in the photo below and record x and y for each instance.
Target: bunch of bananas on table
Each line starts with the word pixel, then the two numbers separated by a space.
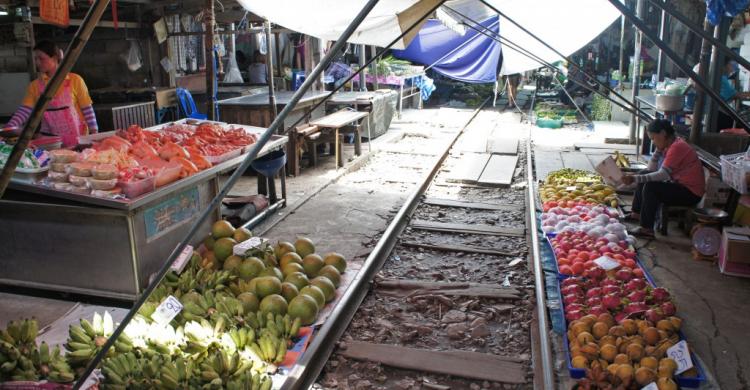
pixel 570 175
pixel 86 339
pixel 569 187
pixel 621 160
pixel 22 360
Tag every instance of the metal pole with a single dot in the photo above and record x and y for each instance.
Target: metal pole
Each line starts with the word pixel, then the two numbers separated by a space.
pixel 715 72
pixel 375 85
pixel 362 60
pixel 636 66
pixel 678 61
pixel 231 181
pixel 269 72
pixel 567 58
pixel 72 53
pixel 660 57
pixel 277 45
pixel 210 68
pixel 622 52
pixel 700 96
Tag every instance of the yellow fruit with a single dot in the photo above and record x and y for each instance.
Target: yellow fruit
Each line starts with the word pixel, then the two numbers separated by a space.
pixel 331 273
pixel 275 304
pixel 326 286
pixel 316 293
pixel 223 248
pixel 580 362
pixel 303 307
pixel 666 384
pixel 304 246
pixel 312 263
pixel 337 260
pixel 242 234
pixel 298 279
pixel 222 229
pixel 267 285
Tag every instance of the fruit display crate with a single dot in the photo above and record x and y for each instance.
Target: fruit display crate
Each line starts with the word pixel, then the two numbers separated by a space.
pixel 735 172
pixel 548 239
pixel 578 373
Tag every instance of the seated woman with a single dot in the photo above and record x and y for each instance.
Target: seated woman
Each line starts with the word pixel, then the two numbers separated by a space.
pixel 675 177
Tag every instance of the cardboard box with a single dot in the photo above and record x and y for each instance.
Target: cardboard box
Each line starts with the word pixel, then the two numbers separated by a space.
pixel 735 242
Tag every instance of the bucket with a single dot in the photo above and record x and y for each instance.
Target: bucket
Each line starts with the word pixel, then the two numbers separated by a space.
pixel 298 77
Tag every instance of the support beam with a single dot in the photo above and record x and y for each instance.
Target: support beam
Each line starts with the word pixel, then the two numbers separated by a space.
pixel 678 61
pixel 362 60
pixel 210 23
pixel 73 51
pixel 101 23
pixel 269 71
pixel 622 53
pixel 700 96
pixel 636 66
pixel 660 57
pixel 715 73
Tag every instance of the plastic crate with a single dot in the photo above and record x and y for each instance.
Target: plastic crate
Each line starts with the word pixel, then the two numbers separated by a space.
pixel 735 171
pixel 136 188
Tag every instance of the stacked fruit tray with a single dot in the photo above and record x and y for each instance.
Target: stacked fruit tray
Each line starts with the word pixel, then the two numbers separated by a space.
pixel 621 328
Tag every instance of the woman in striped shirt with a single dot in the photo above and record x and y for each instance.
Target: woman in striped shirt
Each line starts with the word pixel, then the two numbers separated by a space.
pixel 69 113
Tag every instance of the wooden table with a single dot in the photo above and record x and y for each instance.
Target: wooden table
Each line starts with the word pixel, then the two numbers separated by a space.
pixel 254 109
pixel 339 120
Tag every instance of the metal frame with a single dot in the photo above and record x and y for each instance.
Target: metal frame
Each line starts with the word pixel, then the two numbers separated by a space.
pixel 325 61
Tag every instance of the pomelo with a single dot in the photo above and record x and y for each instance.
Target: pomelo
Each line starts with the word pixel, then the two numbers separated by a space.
pixel 275 304
pixel 304 246
pixel 250 302
pixel 223 247
pixel 222 229
pixel 326 286
pixel 303 307
pixel 232 262
pixel 242 234
pixel 298 279
pixel 291 267
pixel 283 247
pixel 290 257
pixel 332 273
pixel 267 285
pixel 251 286
pixel 316 293
pixel 273 272
pixel 250 268
pixel 336 260
pixel 312 264
pixel 289 291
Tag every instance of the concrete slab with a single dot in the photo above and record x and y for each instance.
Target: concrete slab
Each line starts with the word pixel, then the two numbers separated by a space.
pixel 46 311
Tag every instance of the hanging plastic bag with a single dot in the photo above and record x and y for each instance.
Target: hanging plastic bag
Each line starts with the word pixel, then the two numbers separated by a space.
pixel 133 58
pixel 233 74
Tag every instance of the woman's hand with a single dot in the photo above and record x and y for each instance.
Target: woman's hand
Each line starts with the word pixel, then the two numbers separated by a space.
pixel 628 179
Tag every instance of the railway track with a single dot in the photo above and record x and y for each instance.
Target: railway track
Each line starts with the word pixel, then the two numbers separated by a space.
pixel 446 297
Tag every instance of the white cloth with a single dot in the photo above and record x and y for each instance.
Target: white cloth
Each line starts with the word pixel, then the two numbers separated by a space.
pixel 256 73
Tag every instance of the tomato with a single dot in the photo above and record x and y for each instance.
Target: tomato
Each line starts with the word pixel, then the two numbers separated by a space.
pixel 577 268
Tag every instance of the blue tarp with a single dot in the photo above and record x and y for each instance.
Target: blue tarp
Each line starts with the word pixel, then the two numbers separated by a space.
pixel 472 58
pixel 715 9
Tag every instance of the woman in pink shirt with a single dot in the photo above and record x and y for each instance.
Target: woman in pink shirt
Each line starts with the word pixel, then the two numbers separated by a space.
pixel 677 181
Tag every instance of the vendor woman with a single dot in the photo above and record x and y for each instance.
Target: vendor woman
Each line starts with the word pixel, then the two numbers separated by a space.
pixel 69 114
pixel 674 177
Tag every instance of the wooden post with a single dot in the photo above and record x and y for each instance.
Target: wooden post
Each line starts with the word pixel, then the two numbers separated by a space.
pixel 362 60
pixel 375 85
pixel 32 43
pixel 73 52
pixel 269 72
pixel 210 68
pixel 276 45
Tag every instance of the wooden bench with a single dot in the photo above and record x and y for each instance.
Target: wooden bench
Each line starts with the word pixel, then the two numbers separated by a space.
pixel 342 122
pixel 298 136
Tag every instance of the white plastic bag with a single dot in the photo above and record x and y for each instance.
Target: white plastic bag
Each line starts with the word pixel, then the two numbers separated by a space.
pixel 233 74
pixel 133 59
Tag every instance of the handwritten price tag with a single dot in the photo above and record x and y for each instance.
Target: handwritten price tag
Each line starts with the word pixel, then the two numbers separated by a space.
pixel 571 188
pixel 606 263
pixel 650 386
pixel 181 261
pixel 169 308
pixel 251 243
pixel 681 354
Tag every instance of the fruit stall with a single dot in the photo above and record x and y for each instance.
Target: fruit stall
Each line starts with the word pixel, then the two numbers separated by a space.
pixel 134 191
pixel 618 327
pixel 238 315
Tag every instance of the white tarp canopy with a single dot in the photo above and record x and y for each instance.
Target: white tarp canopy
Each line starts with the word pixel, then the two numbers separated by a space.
pixel 566 25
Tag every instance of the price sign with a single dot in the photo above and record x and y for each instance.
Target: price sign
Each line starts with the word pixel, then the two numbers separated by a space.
pixel 169 308
pixel 650 386
pixel 606 263
pixel 181 261
pixel 251 243
pixel 681 354
pixel 571 188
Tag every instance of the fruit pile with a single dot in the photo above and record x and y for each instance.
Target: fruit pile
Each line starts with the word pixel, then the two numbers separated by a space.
pixel 626 354
pixel 576 251
pixel 595 220
pixel 571 187
pixel 242 309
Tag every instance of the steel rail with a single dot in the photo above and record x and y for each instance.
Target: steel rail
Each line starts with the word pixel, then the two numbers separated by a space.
pixel 313 361
pixel 251 155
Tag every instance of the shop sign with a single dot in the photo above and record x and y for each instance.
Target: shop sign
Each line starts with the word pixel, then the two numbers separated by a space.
pixel 171 213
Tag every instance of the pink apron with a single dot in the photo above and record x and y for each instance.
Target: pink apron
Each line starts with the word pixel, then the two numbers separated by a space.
pixel 61 117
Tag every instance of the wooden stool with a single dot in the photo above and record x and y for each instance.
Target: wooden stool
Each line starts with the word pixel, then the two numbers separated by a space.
pixel 325 138
pixel 683 213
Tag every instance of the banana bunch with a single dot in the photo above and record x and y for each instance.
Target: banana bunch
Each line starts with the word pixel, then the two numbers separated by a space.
pixel 208 279
pixel 280 326
pixel 86 340
pixel 240 286
pixel 21 334
pixel 229 370
pixel 35 364
pixel 268 348
pixel 238 339
pixel 125 371
pixel 199 336
pixel 567 175
pixel 621 160
pixel 177 374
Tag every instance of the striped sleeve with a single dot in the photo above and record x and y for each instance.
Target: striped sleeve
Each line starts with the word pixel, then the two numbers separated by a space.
pixel 19 117
pixel 90 117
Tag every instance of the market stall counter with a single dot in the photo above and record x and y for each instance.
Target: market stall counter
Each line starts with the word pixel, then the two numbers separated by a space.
pixel 68 241
pixel 253 110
